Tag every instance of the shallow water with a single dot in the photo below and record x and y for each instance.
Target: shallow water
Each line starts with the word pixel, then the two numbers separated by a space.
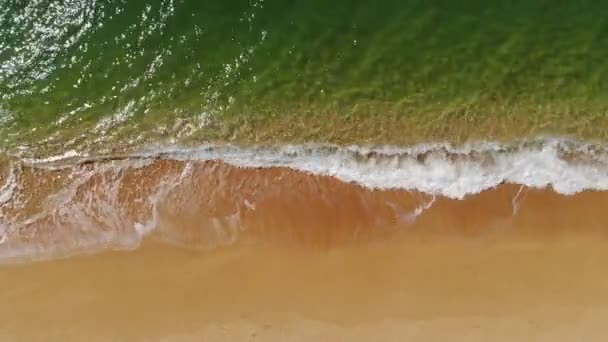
pixel 312 196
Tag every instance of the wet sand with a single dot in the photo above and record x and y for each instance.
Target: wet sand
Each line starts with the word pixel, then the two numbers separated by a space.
pixel 422 288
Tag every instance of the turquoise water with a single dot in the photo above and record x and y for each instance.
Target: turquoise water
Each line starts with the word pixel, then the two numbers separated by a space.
pixel 94 74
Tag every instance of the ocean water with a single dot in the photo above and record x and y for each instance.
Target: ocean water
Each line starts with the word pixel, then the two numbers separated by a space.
pixel 206 123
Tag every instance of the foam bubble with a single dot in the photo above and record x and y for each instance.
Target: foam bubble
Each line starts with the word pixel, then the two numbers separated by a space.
pixel 115 201
pixel 440 169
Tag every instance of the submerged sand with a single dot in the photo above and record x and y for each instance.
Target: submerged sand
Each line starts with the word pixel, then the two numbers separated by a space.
pixel 423 288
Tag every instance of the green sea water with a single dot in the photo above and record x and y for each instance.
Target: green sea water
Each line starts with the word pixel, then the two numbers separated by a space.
pixel 113 74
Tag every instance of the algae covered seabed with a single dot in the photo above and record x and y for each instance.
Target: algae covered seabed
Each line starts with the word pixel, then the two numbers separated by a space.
pixel 115 74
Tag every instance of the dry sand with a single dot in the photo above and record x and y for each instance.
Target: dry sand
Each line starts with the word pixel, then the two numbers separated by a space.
pixel 423 288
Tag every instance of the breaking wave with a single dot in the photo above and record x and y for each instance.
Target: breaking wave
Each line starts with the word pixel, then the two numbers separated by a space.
pixel 308 195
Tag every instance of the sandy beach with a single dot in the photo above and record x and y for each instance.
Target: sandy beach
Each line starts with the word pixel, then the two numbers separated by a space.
pixel 423 288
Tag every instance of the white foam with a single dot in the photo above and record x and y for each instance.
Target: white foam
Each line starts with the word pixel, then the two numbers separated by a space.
pixel 96 220
pixel 67 155
pixel 439 169
pixel 7 190
pixel 3 232
pixel 442 169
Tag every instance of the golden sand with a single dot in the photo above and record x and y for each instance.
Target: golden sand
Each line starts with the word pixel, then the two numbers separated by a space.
pixel 419 289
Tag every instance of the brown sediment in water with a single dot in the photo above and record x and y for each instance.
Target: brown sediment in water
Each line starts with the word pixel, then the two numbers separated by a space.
pixel 210 203
pixel 388 123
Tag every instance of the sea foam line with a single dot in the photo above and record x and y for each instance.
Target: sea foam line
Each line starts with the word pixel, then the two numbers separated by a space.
pixel 442 169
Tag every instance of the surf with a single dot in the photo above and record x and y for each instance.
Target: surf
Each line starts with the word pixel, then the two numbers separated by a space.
pixel 312 195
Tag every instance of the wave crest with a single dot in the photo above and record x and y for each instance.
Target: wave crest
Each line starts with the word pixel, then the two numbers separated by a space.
pixel 313 194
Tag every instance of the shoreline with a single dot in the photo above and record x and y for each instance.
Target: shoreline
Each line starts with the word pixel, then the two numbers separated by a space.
pixel 302 197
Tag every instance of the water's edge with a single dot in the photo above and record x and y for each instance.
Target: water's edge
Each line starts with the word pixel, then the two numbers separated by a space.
pixel 313 194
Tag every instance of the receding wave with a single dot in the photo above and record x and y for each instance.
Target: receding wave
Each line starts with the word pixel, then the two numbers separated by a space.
pixel 307 195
